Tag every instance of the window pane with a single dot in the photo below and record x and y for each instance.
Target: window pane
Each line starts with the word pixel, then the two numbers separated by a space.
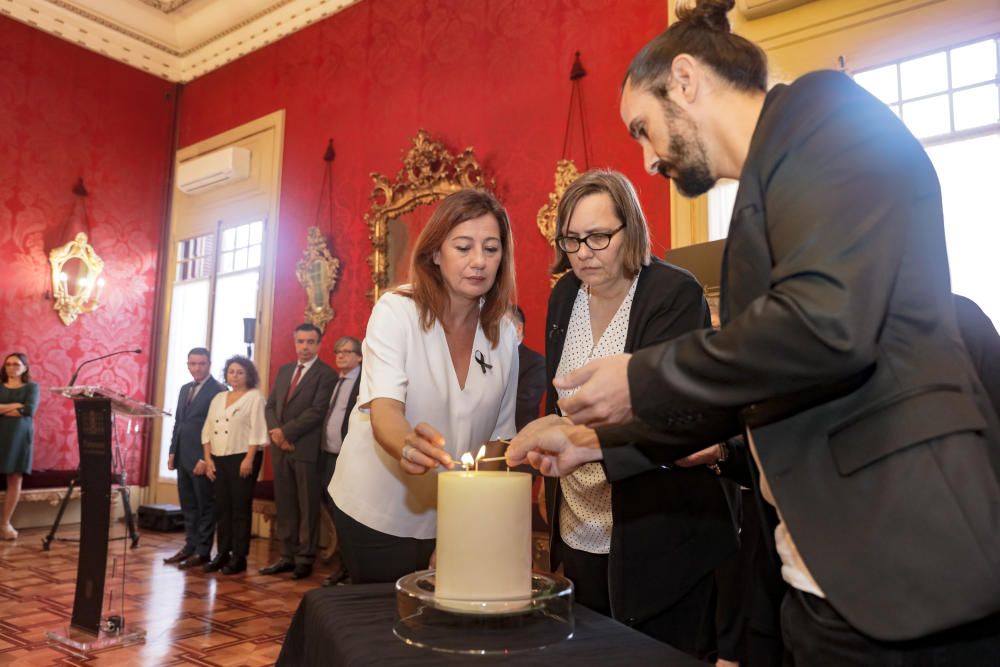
pixel 923 76
pixel 235 298
pixel 895 109
pixel 976 107
pixel 928 118
pixel 243 236
pixel 256 232
pixel 228 239
pixel 226 265
pixel 972 227
pixel 721 199
pixel 253 258
pixel 187 328
pixel 974 63
pixel 881 82
pixel 240 259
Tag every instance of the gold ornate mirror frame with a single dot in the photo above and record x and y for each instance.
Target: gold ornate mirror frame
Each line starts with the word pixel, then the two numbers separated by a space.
pixel 317 273
pixel 566 173
pixel 430 173
pixel 86 292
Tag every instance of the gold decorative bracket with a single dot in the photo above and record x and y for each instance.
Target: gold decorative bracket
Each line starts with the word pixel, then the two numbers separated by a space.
pixel 317 273
pixel 566 173
pixel 430 173
pixel 81 292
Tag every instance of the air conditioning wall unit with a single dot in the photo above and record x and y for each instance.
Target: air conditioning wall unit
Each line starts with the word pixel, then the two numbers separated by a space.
pixel 221 167
pixel 755 9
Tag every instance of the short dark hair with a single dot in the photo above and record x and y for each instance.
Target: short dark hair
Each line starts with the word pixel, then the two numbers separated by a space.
pixel 309 326
pixel 201 352
pixel 703 31
pixel 355 344
pixel 253 377
pixel 25 376
pixel 518 314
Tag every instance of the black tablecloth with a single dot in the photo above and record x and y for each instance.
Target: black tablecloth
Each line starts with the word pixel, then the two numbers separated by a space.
pixel 352 625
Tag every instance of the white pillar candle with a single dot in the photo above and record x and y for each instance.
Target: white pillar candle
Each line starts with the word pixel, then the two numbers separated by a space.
pixel 483 535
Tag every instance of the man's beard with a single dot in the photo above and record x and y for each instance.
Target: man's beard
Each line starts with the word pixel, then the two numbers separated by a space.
pixel 688 157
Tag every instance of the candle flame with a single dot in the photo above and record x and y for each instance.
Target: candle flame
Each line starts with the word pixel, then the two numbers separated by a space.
pixel 467 461
pixel 481 453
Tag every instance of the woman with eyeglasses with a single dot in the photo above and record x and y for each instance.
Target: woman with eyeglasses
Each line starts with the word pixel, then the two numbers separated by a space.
pixel 640 542
pixel 18 401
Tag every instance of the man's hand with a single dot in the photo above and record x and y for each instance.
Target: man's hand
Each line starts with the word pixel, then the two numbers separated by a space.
pixel 199 468
pixel 555 448
pixel 277 436
pixel 170 462
pixel 706 457
pixel 603 395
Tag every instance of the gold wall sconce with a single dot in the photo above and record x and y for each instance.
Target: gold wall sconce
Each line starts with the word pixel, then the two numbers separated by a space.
pixel 76 278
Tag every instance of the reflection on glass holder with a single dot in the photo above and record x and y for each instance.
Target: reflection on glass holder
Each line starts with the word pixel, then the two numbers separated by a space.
pixel 80 293
pixel 494 627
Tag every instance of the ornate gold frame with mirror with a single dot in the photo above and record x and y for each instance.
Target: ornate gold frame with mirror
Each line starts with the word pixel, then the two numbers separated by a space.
pixel 430 173
pixel 317 273
pixel 76 278
pixel 566 173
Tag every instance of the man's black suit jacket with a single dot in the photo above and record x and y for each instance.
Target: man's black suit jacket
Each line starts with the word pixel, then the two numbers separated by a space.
pixel 301 419
pixel 670 527
pixel 530 385
pixel 185 442
pixel 840 352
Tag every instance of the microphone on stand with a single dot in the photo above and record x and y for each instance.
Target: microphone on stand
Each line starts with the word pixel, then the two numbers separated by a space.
pixel 72 380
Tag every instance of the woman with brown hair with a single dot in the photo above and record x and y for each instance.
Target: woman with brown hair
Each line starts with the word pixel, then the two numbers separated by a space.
pixel 439 380
pixel 640 541
pixel 18 400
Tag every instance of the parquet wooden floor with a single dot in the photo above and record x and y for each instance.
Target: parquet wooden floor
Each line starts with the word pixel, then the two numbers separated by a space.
pixel 190 617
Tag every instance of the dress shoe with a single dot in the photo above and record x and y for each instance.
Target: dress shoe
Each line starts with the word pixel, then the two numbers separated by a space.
pixel 302 571
pixel 216 563
pixel 183 554
pixel 235 566
pixel 192 561
pixel 337 577
pixel 279 566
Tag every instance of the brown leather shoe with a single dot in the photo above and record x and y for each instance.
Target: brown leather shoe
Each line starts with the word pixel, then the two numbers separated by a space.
pixel 192 561
pixel 183 554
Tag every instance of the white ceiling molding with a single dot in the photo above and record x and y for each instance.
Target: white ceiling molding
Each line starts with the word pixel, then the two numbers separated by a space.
pixel 755 9
pixel 177 40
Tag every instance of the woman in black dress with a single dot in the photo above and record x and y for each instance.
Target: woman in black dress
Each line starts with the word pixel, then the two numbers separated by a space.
pixel 18 400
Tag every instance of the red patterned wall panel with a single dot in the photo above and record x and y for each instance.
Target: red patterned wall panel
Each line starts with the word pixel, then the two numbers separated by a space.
pixel 490 74
pixel 66 112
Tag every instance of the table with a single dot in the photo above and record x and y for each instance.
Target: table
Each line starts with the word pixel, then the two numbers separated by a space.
pixel 352 625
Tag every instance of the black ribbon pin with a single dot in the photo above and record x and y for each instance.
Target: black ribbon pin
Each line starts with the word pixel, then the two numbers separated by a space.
pixel 481 360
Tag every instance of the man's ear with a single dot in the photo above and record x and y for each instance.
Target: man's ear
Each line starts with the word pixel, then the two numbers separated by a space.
pixel 686 74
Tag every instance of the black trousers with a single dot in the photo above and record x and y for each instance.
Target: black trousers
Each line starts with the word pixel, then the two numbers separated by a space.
pixel 817 636
pixel 688 624
pixel 197 497
pixel 234 503
pixel 374 557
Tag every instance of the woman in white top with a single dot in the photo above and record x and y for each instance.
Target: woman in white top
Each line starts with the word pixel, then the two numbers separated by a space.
pixel 439 379
pixel 234 435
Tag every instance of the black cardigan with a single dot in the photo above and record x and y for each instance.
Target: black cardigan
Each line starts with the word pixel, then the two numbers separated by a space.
pixel 671 526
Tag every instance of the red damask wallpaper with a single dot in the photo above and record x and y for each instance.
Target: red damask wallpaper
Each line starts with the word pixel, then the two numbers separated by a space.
pixel 492 75
pixel 64 113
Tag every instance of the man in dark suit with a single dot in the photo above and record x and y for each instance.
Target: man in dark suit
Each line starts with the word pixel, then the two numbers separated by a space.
pixel 295 410
pixel 338 417
pixel 530 375
pixel 838 354
pixel 194 489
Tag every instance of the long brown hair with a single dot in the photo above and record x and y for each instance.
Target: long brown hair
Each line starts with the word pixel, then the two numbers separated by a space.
pixel 25 376
pixel 426 284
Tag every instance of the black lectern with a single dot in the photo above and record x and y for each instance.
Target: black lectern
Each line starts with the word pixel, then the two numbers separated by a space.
pixel 98 620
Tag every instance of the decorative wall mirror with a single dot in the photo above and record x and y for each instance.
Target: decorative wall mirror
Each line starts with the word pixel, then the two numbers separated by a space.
pixel 317 273
pixel 429 174
pixel 76 278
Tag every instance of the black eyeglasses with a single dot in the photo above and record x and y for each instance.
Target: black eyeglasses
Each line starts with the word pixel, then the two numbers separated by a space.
pixel 595 241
